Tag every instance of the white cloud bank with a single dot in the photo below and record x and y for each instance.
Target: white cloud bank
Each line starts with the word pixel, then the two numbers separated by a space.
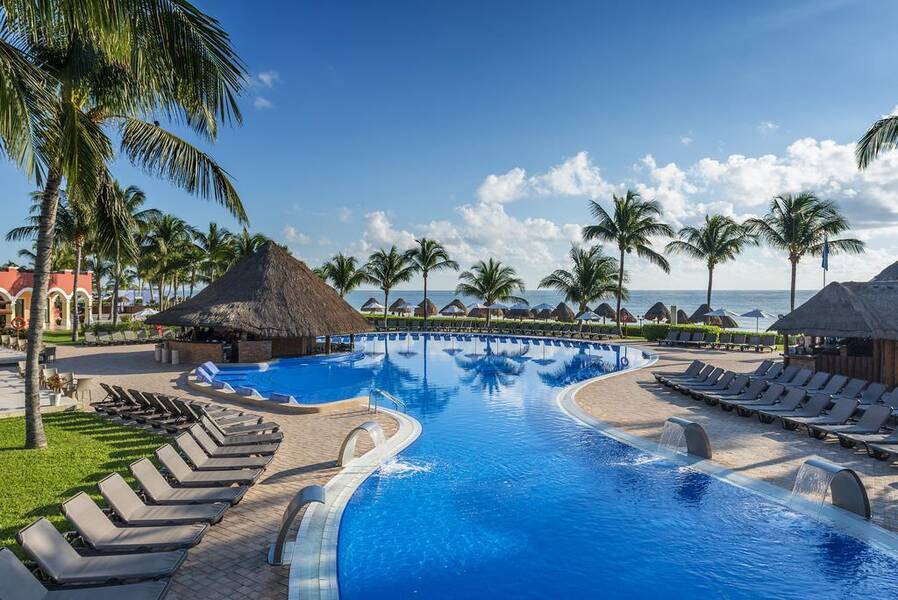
pixel 737 185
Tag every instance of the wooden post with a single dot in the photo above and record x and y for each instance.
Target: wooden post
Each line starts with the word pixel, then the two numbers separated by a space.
pixel 887 376
pixel 877 361
pixel 327 344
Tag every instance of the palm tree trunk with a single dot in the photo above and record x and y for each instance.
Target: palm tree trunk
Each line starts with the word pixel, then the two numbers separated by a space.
pixel 161 293
pixel 425 299
pixel 792 285
pixel 386 306
pixel 74 312
pixel 115 284
pixel 620 290
pixel 34 424
pixel 710 283
pixel 193 281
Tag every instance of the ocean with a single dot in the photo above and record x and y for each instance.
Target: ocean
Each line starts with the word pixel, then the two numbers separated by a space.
pixel 775 302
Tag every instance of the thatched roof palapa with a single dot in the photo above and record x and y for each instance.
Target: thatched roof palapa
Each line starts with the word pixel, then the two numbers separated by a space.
pixel 699 316
pixel 890 273
pixel 459 304
pixel 850 309
pixel 658 312
pixel 430 307
pixel 626 316
pixel 545 313
pixel 563 312
pixel 605 310
pixel 682 317
pixel 398 306
pixel 728 322
pixel 372 301
pixel 269 294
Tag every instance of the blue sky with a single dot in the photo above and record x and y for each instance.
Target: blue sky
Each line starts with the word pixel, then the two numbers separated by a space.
pixel 490 124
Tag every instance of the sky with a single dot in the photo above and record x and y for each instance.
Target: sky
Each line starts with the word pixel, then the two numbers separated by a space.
pixel 490 125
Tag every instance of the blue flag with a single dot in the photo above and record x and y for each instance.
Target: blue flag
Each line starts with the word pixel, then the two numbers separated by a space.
pixel 825 260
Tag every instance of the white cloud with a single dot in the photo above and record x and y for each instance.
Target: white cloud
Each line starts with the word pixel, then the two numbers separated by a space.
pixel 576 176
pixel 686 140
pixel 293 235
pixel 262 103
pixel 767 126
pixel 268 78
pixel 344 214
pixel 380 233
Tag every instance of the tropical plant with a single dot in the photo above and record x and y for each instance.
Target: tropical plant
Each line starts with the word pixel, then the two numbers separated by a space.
pixel 630 227
pixel 882 136
pixel 387 269
pixel 593 276
pixel 246 244
pixel 165 247
pixel 801 224
pixel 718 240
pixel 216 245
pixel 429 255
pixel 343 273
pixel 491 282
pixel 101 65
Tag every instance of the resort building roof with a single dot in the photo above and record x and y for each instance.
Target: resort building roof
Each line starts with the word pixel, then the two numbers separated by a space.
pixel 269 294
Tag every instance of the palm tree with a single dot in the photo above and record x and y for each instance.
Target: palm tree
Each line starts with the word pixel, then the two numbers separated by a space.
pixel 718 240
pixel 429 255
pixel 801 224
pixel 593 276
pixel 246 244
pixel 343 273
pixel 93 68
pixel 634 221
pixel 165 252
pixel 387 269
pixel 216 244
pixel 490 281
pixel 882 136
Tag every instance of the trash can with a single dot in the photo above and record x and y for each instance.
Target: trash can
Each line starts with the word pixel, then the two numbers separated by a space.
pixel 165 355
pixel 175 357
pixel 158 352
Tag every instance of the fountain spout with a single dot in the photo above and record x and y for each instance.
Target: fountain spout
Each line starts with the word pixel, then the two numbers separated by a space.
pixel 681 435
pixel 818 478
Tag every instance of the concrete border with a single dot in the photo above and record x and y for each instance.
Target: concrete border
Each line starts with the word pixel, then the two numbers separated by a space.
pixel 313 569
pixel 837 518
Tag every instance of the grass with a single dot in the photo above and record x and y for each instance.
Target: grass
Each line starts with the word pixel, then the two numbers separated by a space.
pixel 58 337
pixel 83 449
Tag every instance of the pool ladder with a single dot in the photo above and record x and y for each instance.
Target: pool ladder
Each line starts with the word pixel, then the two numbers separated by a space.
pixel 374 398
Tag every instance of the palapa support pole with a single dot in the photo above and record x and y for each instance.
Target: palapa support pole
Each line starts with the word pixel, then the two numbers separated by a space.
pixel 327 344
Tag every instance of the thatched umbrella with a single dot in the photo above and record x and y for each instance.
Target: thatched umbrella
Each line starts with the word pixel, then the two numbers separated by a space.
pixel 269 294
pixel 728 322
pixel 521 310
pixel 626 316
pixel 658 312
pixel 699 316
pixel 369 303
pixel 682 317
pixel 563 312
pixel 545 313
pixel 605 311
pixel 890 273
pixel 457 304
pixel 426 305
pixel 400 306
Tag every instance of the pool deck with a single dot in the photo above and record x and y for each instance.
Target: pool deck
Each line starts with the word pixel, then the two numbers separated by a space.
pixel 230 561
pixel 636 404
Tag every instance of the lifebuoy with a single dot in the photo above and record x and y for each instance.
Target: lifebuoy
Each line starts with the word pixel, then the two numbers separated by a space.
pixel 625 361
pixel 19 323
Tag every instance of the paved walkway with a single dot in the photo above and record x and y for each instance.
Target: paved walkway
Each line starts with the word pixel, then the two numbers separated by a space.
pixel 230 561
pixel 636 403
pixel 12 395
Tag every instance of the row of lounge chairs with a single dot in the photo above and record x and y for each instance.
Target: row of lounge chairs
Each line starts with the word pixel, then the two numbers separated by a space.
pixel 128 336
pixel 547 329
pixel 857 412
pixel 724 341
pixel 13 342
pixel 132 548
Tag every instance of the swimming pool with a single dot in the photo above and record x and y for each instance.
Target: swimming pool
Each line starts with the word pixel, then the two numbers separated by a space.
pixel 504 495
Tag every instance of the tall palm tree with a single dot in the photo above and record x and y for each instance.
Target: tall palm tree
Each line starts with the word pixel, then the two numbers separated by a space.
pixel 630 227
pixel 216 244
pixel 718 240
pixel 246 244
pixel 882 136
pixel 343 273
pixel 490 281
pixel 801 224
pixel 429 255
pixel 593 276
pixel 387 269
pixel 102 68
pixel 165 251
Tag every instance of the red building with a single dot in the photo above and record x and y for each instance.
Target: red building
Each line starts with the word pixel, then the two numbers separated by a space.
pixel 15 296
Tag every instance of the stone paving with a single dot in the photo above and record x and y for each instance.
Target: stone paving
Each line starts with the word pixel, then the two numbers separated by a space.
pixel 230 561
pixel 637 404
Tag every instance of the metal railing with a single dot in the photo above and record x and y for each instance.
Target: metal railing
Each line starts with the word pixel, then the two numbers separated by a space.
pixel 376 393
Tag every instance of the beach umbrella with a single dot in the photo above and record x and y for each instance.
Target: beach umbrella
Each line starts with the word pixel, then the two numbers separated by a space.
pixel 545 313
pixel 143 314
pixel 682 317
pixel 452 311
pixel 563 312
pixel 542 306
pixel 477 310
pixel 699 316
pixel 626 316
pixel 720 313
pixel 401 306
pixel 426 305
pixel 521 310
pixel 757 314
pixel 459 304
pixel 658 312
pixel 605 311
pixel 588 316
pixel 728 322
pixel 497 306
pixel 375 307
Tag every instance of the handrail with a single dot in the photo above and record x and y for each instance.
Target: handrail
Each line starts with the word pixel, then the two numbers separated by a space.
pixel 278 551
pixel 376 393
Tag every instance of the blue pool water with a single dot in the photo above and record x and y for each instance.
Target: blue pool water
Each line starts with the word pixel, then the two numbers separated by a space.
pixel 505 496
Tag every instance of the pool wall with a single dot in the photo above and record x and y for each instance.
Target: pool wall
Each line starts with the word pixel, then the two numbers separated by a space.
pixel 313 569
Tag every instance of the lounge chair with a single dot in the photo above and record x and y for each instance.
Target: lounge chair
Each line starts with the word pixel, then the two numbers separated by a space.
pixel 873 419
pixel 737 384
pixel 754 341
pixel 18 583
pixel 103 535
pixel 724 340
pixel 872 394
pixel 704 378
pixel 215 450
pixel 159 491
pixel 852 389
pixel 62 563
pixel 737 343
pixel 186 477
pixel 882 450
pixel 709 340
pixel 718 384
pixel 202 462
pixel 786 402
pixel 697 339
pixel 223 438
pixel 671 337
pixel 801 378
pixel 749 393
pixel 773 372
pixel 767 341
pixel 814 407
pixel 839 414
pixel 132 511
pixel 743 403
pixel 762 369
pixel 691 371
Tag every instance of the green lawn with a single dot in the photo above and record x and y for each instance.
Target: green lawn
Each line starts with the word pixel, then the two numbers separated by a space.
pixel 58 337
pixel 83 449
